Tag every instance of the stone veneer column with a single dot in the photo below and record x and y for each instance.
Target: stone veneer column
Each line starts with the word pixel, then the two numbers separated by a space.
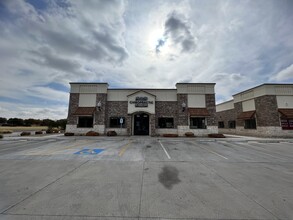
pixel 100 116
pixel 238 111
pixel 153 124
pixel 166 109
pixel 182 116
pixel 211 107
pixel 73 105
pixel 267 111
pixel 118 109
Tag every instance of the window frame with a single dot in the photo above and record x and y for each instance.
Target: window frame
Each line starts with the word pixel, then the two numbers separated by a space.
pixel 118 125
pixel 233 122
pixel 221 124
pixel 250 123
pixel 165 122
pixel 203 122
pixel 85 125
pixel 288 122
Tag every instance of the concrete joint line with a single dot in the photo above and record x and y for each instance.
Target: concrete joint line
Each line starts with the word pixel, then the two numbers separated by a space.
pixel 141 186
pixel 165 150
pixel 69 172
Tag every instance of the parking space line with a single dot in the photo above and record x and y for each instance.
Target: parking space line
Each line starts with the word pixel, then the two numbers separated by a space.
pixel 124 148
pixel 213 152
pixel 165 150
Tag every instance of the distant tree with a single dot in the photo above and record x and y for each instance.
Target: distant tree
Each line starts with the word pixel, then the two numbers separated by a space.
pixel 49 123
pixel 31 121
pixel 15 121
pixel 3 120
pixel 28 122
pixel 61 123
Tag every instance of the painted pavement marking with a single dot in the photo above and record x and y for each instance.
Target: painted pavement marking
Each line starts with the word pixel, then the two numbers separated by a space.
pixel 124 148
pixel 165 150
pixel 89 151
pixel 213 152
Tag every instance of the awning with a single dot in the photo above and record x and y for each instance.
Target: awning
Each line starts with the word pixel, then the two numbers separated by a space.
pixel 246 115
pixel 286 112
pixel 198 112
pixel 85 111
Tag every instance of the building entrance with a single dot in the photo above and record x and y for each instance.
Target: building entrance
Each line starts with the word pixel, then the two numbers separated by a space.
pixel 141 124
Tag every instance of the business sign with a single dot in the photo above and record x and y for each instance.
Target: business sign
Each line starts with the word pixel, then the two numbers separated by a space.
pixel 141 102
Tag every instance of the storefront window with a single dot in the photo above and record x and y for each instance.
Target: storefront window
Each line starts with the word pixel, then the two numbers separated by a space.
pixel 287 124
pixel 85 122
pixel 166 122
pixel 221 124
pixel 197 123
pixel 115 122
pixel 232 124
pixel 250 124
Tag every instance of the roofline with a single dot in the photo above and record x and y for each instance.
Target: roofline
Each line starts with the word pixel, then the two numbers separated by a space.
pixel 87 83
pixel 196 83
pixel 264 84
pixel 139 89
pixel 225 102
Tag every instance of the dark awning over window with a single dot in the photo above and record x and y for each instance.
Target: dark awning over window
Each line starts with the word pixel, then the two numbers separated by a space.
pixel 85 111
pixel 286 112
pixel 246 115
pixel 198 112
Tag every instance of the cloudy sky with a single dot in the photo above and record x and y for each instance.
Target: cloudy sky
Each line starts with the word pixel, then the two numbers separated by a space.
pixel 45 44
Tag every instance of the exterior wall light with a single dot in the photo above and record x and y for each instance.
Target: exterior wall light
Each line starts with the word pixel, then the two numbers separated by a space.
pixel 99 105
pixel 183 106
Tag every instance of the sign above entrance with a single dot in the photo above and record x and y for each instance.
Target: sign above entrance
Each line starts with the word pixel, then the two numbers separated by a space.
pixel 141 102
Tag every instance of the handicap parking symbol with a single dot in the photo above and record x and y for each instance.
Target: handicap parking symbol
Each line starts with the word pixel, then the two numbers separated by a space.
pixel 89 151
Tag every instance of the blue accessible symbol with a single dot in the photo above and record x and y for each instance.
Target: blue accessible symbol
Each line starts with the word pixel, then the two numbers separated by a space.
pixel 89 151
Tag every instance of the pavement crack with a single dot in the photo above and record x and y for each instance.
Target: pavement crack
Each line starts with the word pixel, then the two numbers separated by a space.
pixel 34 193
pixel 141 186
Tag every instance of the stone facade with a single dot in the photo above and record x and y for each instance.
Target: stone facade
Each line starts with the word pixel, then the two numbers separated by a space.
pixel 166 109
pixel 100 116
pixel 226 116
pixel 152 125
pixel 127 103
pixel 182 116
pixel 267 119
pixel 118 109
pixel 267 111
pixel 73 105
pixel 238 110
pixel 211 107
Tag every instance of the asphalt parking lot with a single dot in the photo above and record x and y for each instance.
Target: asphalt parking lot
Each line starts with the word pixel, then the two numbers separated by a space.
pixel 145 178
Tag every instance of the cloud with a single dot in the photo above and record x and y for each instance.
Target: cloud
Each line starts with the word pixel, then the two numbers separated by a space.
pixel 178 30
pixel 227 84
pixel 25 111
pixel 152 43
pixel 160 44
pixel 284 74
pixel 45 57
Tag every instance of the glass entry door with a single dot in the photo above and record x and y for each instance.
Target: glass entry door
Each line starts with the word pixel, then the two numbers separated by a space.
pixel 141 124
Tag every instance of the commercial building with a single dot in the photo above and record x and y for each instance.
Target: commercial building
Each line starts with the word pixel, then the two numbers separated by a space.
pixel 190 107
pixel 265 110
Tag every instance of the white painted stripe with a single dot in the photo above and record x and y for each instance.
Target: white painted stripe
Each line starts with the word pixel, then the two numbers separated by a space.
pixel 215 153
pixel 165 150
